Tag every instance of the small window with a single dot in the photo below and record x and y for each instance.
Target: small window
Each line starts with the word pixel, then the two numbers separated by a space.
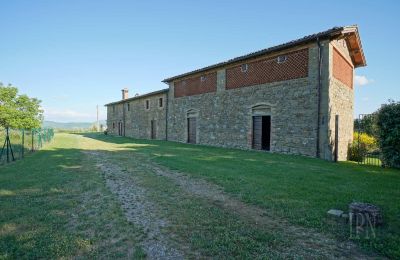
pixel 160 102
pixel 281 59
pixel 203 78
pixel 244 67
pixel 128 107
pixel 113 124
pixel 147 104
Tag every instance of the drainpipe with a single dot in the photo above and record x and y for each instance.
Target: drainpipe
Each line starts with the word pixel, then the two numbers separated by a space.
pixel 166 116
pixel 319 95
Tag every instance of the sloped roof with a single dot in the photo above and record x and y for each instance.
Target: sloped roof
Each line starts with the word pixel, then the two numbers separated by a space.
pixel 349 32
pixel 138 97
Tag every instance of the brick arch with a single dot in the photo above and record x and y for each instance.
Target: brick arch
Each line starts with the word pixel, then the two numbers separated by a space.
pixel 192 113
pixel 261 109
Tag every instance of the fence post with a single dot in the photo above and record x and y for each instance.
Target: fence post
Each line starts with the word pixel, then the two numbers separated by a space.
pixel 7 149
pixel 32 133
pixel 23 143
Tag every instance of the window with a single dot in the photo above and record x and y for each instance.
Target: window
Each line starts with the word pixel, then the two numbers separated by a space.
pixel 244 67
pixel 203 78
pixel 128 107
pixel 281 59
pixel 113 125
pixel 147 104
pixel 160 102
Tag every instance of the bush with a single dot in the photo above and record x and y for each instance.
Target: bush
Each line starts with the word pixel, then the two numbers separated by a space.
pixel 362 144
pixel 388 122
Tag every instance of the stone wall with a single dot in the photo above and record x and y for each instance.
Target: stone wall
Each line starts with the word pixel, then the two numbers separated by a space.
pixel 341 99
pixel 225 117
pixel 114 116
pixel 341 103
pixel 138 118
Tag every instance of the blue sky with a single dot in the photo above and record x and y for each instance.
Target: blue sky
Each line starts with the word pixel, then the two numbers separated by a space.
pixel 74 55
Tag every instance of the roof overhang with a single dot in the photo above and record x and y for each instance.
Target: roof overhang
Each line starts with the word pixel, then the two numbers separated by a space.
pixel 349 33
pixel 165 90
pixel 353 40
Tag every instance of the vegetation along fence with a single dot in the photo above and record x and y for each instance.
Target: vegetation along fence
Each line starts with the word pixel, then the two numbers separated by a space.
pixel 367 146
pixel 16 143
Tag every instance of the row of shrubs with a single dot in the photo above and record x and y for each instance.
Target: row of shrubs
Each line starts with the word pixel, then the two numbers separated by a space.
pixel 362 144
pixel 380 135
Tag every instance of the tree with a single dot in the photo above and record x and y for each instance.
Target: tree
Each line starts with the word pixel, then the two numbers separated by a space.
pixel 388 121
pixel 367 124
pixel 18 111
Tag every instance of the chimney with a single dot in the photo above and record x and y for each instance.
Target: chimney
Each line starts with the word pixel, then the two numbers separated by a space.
pixel 124 93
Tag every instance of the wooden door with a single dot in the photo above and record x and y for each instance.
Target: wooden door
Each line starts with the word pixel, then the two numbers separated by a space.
pixel 257 132
pixel 119 128
pixel 153 129
pixel 192 125
pixel 262 132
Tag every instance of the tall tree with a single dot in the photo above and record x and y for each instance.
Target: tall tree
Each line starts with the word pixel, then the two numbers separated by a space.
pixel 388 122
pixel 19 111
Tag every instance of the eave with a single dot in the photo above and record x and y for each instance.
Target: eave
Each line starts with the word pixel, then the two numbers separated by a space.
pixel 353 40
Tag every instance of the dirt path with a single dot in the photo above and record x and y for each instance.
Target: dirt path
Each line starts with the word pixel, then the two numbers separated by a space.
pixel 137 208
pixel 307 243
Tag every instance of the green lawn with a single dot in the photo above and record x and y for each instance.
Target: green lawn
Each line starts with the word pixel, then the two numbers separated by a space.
pixel 54 203
pixel 297 188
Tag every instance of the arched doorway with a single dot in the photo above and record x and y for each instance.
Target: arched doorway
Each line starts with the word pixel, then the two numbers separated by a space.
pixel 192 132
pixel 261 127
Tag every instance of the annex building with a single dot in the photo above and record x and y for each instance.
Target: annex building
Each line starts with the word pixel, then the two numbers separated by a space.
pixel 295 98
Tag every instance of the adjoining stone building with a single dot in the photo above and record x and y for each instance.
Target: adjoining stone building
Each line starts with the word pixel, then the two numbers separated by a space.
pixel 293 98
pixel 140 116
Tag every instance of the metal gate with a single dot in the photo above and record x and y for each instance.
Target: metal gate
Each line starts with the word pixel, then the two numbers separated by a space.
pixel 368 152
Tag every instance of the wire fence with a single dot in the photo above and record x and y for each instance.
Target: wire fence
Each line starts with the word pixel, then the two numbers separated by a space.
pixel 16 143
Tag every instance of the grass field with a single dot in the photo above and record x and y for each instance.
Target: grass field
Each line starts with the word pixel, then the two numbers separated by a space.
pixel 92 195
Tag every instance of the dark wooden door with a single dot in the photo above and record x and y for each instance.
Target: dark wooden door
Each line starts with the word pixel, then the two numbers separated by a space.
pixel 257 132
pixel 192 125
pixel 119 128
pixel 153 129
pixel 262 132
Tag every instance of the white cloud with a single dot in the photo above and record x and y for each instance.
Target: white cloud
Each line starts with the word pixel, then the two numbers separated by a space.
pixel 362 80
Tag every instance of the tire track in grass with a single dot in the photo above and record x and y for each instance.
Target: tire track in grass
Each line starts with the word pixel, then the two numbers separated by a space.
pixel 298 241
pixel 305 242
pixel 137 208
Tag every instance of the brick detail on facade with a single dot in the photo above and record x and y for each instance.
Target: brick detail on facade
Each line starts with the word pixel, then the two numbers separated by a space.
pixel 269 70
pixel 196 85
pixel 342 69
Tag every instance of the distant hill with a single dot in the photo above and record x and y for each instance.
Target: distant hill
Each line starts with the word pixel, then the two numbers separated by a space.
pixel 69 125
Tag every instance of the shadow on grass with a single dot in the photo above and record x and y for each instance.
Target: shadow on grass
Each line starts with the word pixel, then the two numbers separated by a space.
pixel 297 188
pixel 40 200
pixel 209 153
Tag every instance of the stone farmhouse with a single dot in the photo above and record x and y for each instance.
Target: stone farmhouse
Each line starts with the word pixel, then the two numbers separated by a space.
pixel 295 98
